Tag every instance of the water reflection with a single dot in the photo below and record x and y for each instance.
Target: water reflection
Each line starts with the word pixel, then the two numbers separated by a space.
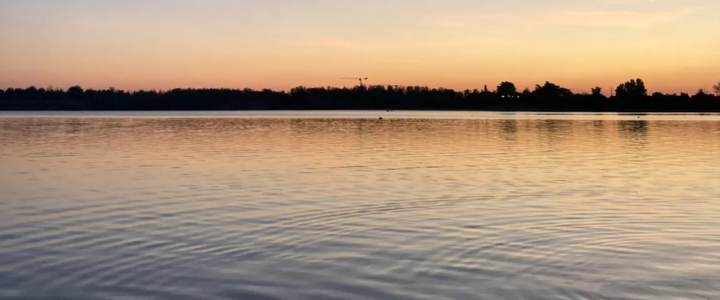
pixel 634 128
pixel 283 208
pixel 509 129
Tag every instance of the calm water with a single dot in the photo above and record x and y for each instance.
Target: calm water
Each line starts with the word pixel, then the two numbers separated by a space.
pixel 417 206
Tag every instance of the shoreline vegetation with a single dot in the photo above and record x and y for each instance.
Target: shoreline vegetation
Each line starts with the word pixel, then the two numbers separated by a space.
pixel 631 96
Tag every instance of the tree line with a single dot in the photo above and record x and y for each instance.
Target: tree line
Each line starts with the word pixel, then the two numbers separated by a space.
pixel 628 96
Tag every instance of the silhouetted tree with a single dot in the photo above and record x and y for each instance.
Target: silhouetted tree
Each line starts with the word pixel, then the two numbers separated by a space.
pixel 717 89
pixel 75 92
pixel 526 93
pixel 506 89
pixel 551 90
pixel 597 91
pixel 635 88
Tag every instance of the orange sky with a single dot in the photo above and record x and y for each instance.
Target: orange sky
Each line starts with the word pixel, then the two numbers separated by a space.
pixel 161 44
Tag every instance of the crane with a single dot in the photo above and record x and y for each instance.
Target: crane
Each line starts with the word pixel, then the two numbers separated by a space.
pixel 356 78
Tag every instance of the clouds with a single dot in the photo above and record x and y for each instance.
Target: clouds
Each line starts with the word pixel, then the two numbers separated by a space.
pixel 636 14
pixel 334 43
pixel 603 18
pixel 614 18
pixel 342 44
pixel 646 1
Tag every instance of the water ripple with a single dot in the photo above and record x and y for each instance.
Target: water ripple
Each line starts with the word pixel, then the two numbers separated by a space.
pixel 406 208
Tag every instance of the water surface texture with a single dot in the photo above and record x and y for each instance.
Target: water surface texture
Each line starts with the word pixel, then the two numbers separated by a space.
pixel 452 206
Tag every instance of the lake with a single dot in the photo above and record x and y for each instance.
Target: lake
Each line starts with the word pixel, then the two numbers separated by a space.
pixel 343 205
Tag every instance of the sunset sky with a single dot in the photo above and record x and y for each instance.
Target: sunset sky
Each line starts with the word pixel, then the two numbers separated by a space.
pixel 674 45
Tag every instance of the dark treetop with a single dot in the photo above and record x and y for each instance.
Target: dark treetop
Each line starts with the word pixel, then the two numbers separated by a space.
pixel 628 96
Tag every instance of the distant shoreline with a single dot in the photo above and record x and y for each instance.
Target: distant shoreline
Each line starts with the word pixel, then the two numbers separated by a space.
pixel 629 97
pixel 633 112
pixel 624 112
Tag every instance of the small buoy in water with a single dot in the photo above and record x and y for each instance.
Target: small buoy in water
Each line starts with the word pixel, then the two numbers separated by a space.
pixel 380 118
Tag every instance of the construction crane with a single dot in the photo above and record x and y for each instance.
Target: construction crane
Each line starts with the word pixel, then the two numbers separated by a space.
pixel 356 78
